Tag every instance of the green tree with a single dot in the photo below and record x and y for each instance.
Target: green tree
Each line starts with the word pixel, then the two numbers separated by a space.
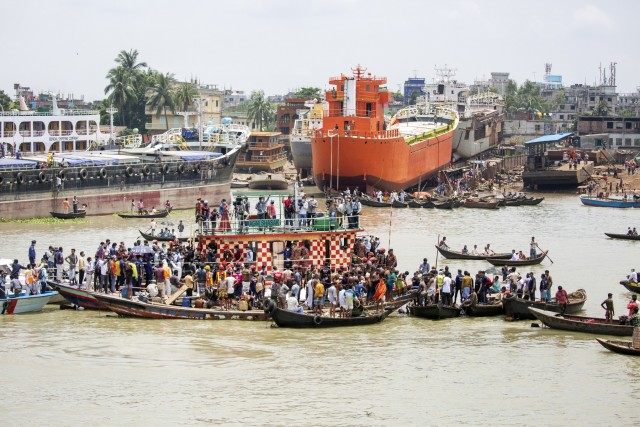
pixel 120 90
pixel 398 96
pixel 5 101
pixel 625 112
pixel 184 96
pixel 126 89
pixel 260 110
pixel 160 95
pixel 601 109
pixel 309 92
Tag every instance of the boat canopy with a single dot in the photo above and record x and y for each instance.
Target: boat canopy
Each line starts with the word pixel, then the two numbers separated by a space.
pixel 8 163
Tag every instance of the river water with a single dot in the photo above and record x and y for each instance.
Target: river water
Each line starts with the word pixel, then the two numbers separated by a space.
pixel 70 367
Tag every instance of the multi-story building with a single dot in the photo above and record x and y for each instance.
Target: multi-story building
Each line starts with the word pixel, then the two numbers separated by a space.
pixel 287 114
pixel 233 98
pixel 211 112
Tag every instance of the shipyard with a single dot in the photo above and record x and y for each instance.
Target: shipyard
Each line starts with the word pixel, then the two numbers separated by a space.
pixel 326 191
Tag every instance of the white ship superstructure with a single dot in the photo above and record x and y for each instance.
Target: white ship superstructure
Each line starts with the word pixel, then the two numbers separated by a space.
pixel 59 130
pixel 481 115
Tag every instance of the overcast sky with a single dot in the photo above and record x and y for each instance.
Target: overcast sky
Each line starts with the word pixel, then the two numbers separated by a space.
pixel 280 45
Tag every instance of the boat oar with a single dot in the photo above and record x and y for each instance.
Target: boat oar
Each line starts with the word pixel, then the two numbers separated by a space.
pixel 546 252
pixel 437 251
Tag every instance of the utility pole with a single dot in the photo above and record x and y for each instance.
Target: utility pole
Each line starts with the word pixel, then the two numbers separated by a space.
pixel 199 101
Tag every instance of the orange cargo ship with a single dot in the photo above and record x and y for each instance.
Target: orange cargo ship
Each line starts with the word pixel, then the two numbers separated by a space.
pixel 355 148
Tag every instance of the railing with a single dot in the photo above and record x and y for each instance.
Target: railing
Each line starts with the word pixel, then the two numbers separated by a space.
pixel 293 224
pixel 385 134
pixel 8 134
pixel 262 159
pixel 63 112
pixel 263 145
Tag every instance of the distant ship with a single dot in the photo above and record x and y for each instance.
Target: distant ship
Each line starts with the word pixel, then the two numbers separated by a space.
pixel 355 148
pixel 303 129
pixel 482 114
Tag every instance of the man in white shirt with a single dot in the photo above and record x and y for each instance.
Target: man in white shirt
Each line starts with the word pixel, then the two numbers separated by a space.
pixel 302 213
pixel 474 251
pixel 633 277
pixel 229 282
pixel 445 292
pixel 514 255
pixel 332 296
pixel 292 304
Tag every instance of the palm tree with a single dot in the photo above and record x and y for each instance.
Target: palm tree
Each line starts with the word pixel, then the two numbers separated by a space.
pixel 160 95
pixel 120 89
pixel 260 110
pixel 184 95
pixel 128 61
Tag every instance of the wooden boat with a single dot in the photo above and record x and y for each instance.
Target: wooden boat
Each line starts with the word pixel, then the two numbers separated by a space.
pixel 25 304
pixel 480 204
pixel 622 236
pixel 268 182
pixel 447 204
pixel 160 214
pixel 413 203
pixel 620 347
pixel 396 302
pixel 399 204
pixel 79 297
pixel 513 202
pixel 483 310
pixel 508 262
pixel 609 203
pixel 518 308
pixel 151 237
pixel 434 311
pixel 374 203
pixel 531 201
pixel 69 215
pixel 450 254
pixel 289 319
pixel 590 325
pixel 132 308
pixel 633 287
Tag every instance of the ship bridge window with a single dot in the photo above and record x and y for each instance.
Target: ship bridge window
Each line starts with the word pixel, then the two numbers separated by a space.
pixel 368 88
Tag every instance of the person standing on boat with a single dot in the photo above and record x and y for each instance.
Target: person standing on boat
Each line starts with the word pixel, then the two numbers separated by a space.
pixel 424 268
pixel 562 298
pixel 65 205
pixel 132 207
pixel 72 259
pixel 140 207
pixel 303 206
pixel 271 210
pixel 549 284
pixel 443 243
pixel 261 208
pixel 312 210
pixel 532 248
pixel 607 305
pixel 74 204
pixel 632 304
pixel 59 263
pixel 223 213
pixel 32 252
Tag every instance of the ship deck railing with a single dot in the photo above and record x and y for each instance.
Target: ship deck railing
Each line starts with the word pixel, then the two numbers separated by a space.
pixel 276 226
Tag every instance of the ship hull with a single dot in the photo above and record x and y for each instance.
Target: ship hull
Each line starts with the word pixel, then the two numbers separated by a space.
pixel 386 164
pixel 302 156
pixel 114 192
pixel 476 135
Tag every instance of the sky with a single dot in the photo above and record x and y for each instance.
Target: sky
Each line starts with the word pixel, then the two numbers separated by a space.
pixel 67 46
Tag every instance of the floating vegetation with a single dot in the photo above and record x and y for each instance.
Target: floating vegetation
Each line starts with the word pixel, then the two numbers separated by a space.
pixel 46 220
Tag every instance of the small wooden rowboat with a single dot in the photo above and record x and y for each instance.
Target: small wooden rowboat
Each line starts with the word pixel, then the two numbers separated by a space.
pixel 483 310
pixel 589 325
pixel 132 308
pixel 620 347
pixel 289 319
pixel 518 308
pixel 449 254
pixel 447 204
pixel 160 214
pixel 69 215
pixel 508 262
pixel 374 203
pixel 481 204
pixel 531 201
pixel 268 182
pixel 151 237
pixel 80 297
pixel 633 287
pixel 434 311
pixel 622 236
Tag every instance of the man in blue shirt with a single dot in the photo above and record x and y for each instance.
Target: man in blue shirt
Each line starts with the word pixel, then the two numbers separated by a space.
pixel 32 252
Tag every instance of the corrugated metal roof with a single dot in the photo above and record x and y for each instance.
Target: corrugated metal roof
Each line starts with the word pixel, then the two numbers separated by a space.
pixel 550 138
